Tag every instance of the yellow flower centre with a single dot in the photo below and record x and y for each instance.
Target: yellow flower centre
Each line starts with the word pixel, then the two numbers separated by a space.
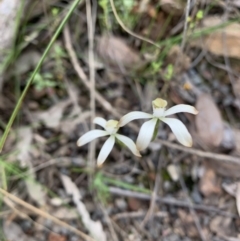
pixel 159 103
pixel 112 126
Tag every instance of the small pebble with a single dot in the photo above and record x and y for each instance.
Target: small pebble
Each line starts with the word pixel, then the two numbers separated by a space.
pixel 121 204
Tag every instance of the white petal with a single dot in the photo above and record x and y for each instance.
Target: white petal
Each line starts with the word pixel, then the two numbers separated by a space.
pixel 133 116
pixel 129 143
pixel 146 133
pixel 179 130
pixel 89 136
pixel 106 149
pixel 181 108
pixel 100 121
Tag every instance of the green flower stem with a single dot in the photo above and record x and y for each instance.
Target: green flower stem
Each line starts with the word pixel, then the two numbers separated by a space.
pixel 30 80
pixel 125 185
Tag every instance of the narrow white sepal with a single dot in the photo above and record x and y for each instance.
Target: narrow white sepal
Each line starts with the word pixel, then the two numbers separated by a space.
pixel 181 108
pixel 100 121
pixel 145 134
pixel 106 149
pixel 129 143
pixel 91 135
pixel 179 130
pixel 133 116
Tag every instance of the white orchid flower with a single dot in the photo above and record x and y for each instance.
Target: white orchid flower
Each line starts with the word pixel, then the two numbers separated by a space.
pixel 111 127
pixel 159 113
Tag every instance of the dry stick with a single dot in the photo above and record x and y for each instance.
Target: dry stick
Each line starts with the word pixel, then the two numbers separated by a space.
pixel 127 29
pixel 45 215
pixel 21 214
pixel 185 24
pixel 108 107
pixel 138 214
pixel 73 57
pixel 169 201
pixel 187 12
pixel 90 25
pixel 215 156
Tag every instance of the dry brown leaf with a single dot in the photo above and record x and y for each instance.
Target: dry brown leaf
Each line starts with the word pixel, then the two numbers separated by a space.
pixel 52 117
pixel 68 125
pixel 223 41
pixel 26 61
pixel 175 7
pixel 179 59
pixel 209 183
pixel 115 52
pixel 94 227
pixel 209 123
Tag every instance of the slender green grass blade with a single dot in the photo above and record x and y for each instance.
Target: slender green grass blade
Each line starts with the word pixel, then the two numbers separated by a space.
pixel 29 82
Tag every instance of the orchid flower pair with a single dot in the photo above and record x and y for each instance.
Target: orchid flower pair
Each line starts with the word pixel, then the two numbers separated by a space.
pixel 146 132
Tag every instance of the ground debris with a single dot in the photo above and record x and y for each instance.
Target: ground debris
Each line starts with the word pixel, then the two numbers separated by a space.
pixel 223 41
pixel 173 7
pixel 210 132
pixel 94 227
pixel 221 226
pixel 24 147
pixel 209 183
pixel 117 54
pixel 13 232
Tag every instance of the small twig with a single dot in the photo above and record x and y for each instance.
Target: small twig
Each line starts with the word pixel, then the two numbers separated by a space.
pixel 215 156
pixel 45 215
pixel 127 29
pixel 141 214
pixel 185 24
pixel 91 62
pixel 184 36
pixel 21 214
pixel 73 57
pixel 168 201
